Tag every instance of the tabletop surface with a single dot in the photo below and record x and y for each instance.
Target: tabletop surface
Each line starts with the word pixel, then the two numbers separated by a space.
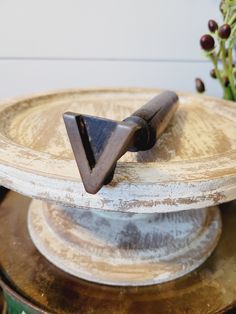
pixel 192 165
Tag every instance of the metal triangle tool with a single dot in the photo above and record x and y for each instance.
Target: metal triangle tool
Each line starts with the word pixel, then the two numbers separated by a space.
pixel 98 143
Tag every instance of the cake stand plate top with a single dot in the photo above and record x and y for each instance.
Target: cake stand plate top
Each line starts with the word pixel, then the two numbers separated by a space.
pixel 192 165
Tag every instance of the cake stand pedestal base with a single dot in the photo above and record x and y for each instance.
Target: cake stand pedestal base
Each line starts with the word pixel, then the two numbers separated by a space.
pixel 123 249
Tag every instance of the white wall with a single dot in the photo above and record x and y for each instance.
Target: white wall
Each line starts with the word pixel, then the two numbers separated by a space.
pixel 51 44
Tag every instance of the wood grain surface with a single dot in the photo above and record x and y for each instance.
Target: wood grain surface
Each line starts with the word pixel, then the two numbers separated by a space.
pixel 193 165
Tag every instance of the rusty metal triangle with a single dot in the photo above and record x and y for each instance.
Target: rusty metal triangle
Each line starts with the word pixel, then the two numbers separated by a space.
pixel 97 144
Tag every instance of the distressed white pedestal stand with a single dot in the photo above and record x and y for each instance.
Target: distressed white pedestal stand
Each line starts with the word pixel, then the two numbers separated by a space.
pixel 156 221
pixel 124 248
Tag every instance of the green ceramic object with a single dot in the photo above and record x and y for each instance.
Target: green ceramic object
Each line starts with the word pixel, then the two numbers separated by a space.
pixel 17 307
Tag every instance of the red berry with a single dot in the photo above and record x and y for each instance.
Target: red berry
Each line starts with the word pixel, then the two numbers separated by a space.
pixel 213 73
pixel 225 81
pixel 224 31
pixel 207 42
pixel 200 87
pixel 212 25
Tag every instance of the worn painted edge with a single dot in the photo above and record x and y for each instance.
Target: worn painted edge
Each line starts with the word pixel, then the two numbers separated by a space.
pixel 137 187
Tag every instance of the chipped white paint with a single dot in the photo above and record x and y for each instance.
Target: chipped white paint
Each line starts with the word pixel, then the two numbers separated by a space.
pixel 118 248
pixel 193 164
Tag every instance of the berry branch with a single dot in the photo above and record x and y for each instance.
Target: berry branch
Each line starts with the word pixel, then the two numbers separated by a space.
pixel 218 46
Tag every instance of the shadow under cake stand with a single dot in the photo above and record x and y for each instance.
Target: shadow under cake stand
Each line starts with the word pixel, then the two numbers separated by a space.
pixel 156 221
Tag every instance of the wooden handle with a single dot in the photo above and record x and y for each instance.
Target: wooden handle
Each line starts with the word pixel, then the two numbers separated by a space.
pixel 153 118
pixel 160 105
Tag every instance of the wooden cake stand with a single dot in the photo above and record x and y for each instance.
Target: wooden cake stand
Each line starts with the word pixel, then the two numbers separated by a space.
pixel 156 221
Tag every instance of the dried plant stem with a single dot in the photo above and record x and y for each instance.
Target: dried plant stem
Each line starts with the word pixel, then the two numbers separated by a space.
pixel 230 71
pixel 226 89
pixel 227 71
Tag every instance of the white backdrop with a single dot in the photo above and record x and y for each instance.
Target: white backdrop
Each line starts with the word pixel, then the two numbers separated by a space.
pixel 52 44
